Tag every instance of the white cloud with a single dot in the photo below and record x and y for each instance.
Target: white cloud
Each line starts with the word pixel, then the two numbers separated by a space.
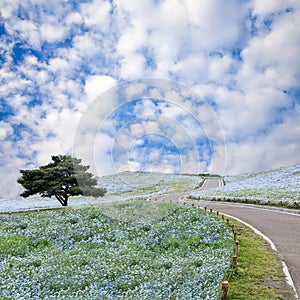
pixel 8 8
pixel 241 56
pixel 74 18
pixel 171 111
pixel 145 107
pixel 31 60
pixel 218 23
pixel 219 67
pixel 28 31
pixel 133 166
pixel 52 33
pixel 179 41
pixel 272 54
pixel 133 38
pixel 5 130
pixel 130 142
pixel 133 66
pixel 96 13
pixel 12 82
pixel 135 90
pixel 267 7
pixel 57 64
pixel 86 45
pixel 42 77
pixel 137 129
pixel 11 167
pixel 278 147
pixel 192 69
pixel 96 85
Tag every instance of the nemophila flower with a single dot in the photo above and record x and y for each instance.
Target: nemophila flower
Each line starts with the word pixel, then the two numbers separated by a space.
pixel 120 187
pixel 274 186
pixel 116 259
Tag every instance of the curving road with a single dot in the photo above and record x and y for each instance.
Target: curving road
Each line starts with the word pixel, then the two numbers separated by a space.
pixel 282 227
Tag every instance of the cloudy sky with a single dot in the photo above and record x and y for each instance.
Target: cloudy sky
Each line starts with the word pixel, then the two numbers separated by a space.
pixel 225 93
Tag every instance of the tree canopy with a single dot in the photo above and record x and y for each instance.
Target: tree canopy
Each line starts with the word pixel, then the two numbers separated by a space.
pixel 65 176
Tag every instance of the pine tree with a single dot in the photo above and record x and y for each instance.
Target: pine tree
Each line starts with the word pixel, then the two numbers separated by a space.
pixel 61 178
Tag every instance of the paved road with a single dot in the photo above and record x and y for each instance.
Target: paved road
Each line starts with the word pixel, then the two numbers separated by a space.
pixel 281 227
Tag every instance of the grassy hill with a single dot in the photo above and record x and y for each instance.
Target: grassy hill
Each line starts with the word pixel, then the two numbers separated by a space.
pixel 120 187
pixel 147 183
pixel 279 186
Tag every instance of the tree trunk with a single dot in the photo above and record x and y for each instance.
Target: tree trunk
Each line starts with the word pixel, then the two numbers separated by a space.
pixel 62 201
pixel 65 202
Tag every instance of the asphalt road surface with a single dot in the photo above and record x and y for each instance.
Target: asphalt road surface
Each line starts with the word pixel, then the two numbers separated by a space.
pixel 282 228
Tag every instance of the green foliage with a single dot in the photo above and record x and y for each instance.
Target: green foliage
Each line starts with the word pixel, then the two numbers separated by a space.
pixel 208 175
pixel 62 178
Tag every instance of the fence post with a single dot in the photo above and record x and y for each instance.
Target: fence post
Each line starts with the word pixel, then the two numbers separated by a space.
pixel 237 247
pixel 232 226
pixel 224 290
pixel 235 236
pixel 234 261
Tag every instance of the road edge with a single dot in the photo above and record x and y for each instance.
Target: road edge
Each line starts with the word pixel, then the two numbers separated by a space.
pixel 288 277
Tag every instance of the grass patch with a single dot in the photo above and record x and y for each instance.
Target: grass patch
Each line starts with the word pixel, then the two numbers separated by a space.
pixel 259 274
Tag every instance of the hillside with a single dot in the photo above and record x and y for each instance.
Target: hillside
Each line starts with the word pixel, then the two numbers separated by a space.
pixel 279 186
pixel 120 187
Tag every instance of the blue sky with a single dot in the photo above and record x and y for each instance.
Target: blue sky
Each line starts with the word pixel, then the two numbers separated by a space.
pixel 239 58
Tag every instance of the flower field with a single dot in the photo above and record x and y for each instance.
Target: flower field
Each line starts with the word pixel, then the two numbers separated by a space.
pixel 278 187
pixel 120 187
pixel 147 183
pixel 133 250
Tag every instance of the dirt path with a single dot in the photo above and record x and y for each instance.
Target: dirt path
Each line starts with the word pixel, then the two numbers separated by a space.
pixel 282 228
